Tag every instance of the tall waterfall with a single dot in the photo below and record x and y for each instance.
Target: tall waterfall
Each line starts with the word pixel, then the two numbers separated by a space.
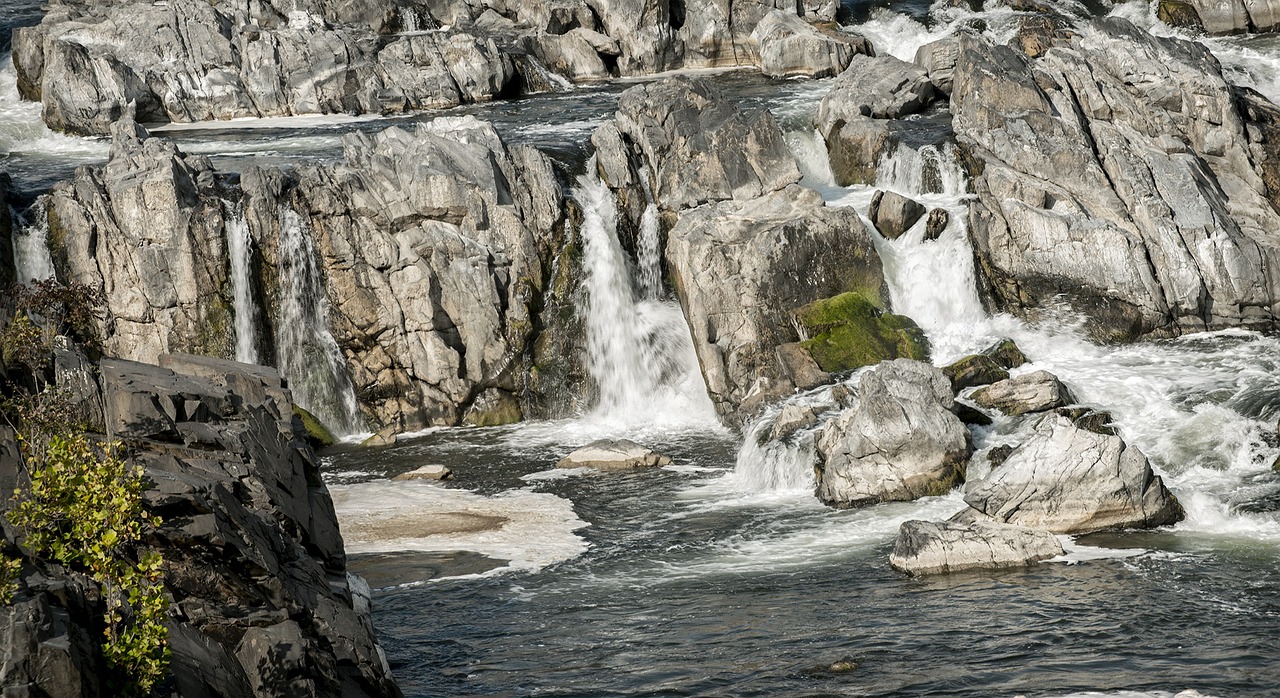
pixel 240 253
pixel 31 258
pixel 307 354
pixel 648 252
pixel 639 352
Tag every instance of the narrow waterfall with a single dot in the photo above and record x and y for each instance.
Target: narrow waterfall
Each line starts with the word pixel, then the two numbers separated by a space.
pixel 639 351
pixel 648 247
pixel 240 254
pixel 766 465
pixel 31 258
pixel 307 354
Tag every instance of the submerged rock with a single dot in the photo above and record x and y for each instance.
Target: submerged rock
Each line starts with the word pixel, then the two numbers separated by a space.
pixel 899 442
pixel 426 472
pixel 613 454
pixel 1068 480
pixel 1030 392
pixel 942 547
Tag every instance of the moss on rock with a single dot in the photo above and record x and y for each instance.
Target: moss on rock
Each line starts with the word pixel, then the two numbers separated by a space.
pixel 849 331
pixel 313 430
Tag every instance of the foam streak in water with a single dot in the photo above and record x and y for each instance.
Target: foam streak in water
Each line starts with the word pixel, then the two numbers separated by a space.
pixel 308 355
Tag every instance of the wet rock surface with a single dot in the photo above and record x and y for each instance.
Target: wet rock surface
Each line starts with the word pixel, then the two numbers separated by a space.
pixel 1029 392
pixel 613 454
pixel 929 547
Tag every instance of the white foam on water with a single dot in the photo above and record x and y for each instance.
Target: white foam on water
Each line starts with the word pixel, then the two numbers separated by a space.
pixel 557 474
pixel 31 258
pixel 23 131
pixel 1075 553
pixel 240 255
pixel 1189 693
pixel 530 529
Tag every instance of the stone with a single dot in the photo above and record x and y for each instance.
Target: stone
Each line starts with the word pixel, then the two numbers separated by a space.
pixel 382 439
pixel 426 472
pixel 974 370
pixel 855 147
pixel 1006 353
pixel 998 455
pixel 899 442
pixel 1179 14
pixel 938 59
pixel 1067 480
pixel 1145 210
pixel 613 454
pixel 971 415
pixel 1089 419
pixel 894 214
pixel 941 547
pixel 791 419
pixel 880 87
pixel 741 267
pixel 315 432
pixel 939 218
pixel 849 331
pixel 800 367
pixel 1029 392
pixel 789 46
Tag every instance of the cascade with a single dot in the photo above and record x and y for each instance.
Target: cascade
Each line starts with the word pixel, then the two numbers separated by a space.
pixel 31 258
pixel 639 352
pixel 307 354
pixel 648 247
pixel 240 254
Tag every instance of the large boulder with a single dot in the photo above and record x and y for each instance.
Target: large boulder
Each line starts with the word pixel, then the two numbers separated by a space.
pixel 899 442
pixel 1123 173
pixel 613 454
pixel 1066 479
pixel 1222 16
pixel 253 560
pixel 741 267
pixel 713 33
pixel 893 214
pixel 942 547
pixel 789 46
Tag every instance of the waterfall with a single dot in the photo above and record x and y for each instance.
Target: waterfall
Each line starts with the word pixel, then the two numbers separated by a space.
pixel 307 354
pixel 639 352
pixel 648 252
pixel 31 258
pixel 240 253
pixel 766 465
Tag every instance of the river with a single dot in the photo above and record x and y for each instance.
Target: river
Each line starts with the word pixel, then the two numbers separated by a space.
pixel 721 574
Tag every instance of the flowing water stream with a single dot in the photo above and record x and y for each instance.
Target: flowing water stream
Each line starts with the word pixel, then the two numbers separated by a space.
pixel 721 574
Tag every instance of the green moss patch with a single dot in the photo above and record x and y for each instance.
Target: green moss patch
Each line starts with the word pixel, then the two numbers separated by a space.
pixel 315 432
pixel 849 331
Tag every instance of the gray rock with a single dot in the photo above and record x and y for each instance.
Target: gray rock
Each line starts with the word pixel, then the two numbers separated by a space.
pixel 384 437
pixel 790 46
pixel 1068 480
pixel 893 214
pixel 1030 392
pixel 1147 209
pixel 856 146
pixel 1227 16
pixel 791 419
pixel 741 267
pixel 938 59
pixel 426 472
pixel 942 547
pixel 974 370
pixel 713 33
pixel 898 443
pixel 613 454
pixel 879 87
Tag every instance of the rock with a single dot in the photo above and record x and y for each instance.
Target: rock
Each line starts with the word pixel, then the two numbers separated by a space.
pixel 613 454
pixel 973 370
pixel 715 34
pixel 881 87
pixel 1030 392
pixel 315 432
pixel 939 218
pixel 697 146
pixel 1143 209
pixel 791 419
pixel 572 55
pixel 1179 14
pixel 933 547
pixel 1221 16
pixel 893 214
pixel 739 269
pixel 1068 480
pixel 1006 353
pixel 998 455
pixel 426 472
pixel 800 367
pixel 849 331
pixel 855 147
pixel 898 443
pixel 938 59
pixel 971 415
pixel 385 437
pixel 790 46
pixel 1089 419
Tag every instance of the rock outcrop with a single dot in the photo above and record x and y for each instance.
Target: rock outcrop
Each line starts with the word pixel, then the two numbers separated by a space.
pixel 254 561
pixel 899 442
pixel 424 254
pixel 1222 16
pixel 1066 479
pixel 790 46
pixel 613 454
pixel 1122 172
pixel 193 60
pixel 933 547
